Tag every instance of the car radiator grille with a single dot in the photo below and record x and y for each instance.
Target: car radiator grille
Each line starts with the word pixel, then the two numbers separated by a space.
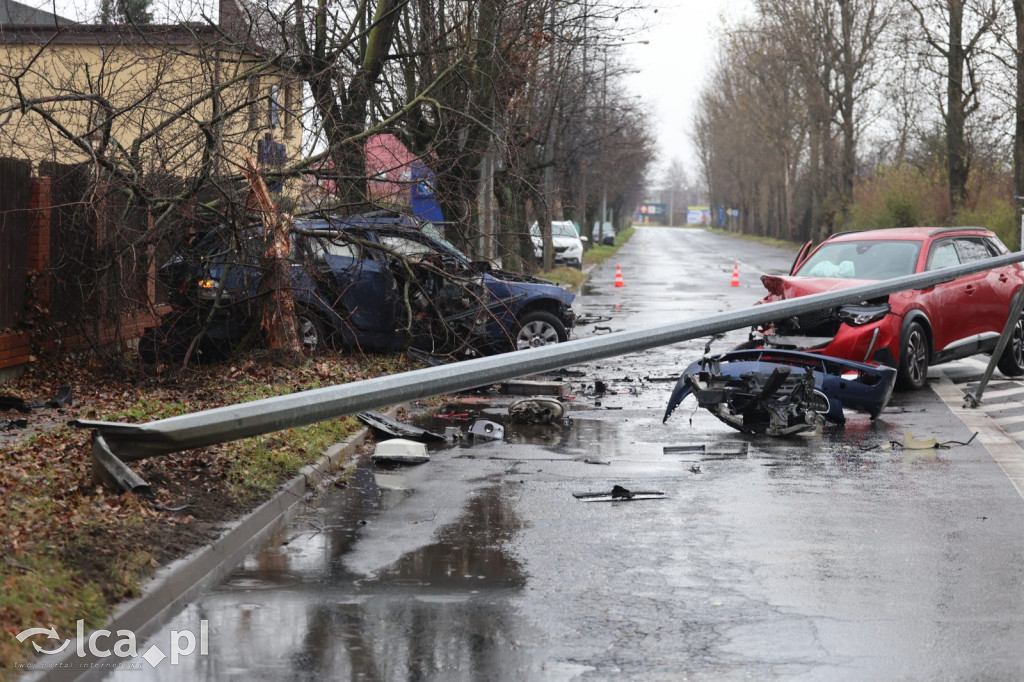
pixel 818 323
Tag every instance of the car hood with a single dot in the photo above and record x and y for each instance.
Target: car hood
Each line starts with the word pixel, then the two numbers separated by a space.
pixel 507 284
pixel 565 241
pixel 780 288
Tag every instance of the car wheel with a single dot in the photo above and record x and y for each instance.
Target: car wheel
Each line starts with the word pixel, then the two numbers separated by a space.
pixel 913 369
pixel 1011 362
pixel 539 328
pixel 311 331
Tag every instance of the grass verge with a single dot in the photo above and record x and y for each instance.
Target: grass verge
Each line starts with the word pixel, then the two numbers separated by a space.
pixel 767 241
pixel 72 550
pixel 568 278
pixel 601 252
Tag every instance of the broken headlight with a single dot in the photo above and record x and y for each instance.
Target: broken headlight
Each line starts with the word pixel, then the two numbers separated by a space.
pixel 863 313
pixel 208 289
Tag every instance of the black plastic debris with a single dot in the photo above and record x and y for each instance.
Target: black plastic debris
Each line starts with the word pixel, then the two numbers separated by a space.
pixel 620 494
pixel 12 424
pixel 393 427
pixel 728 448
pixel 62 399
pixel 536 411
pixel 525 387
pixel 10 402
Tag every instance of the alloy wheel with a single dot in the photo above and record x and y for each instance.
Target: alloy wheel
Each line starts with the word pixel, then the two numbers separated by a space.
pixel 917 356
pixel 1017 343
pixel 309 334
pixel 536 333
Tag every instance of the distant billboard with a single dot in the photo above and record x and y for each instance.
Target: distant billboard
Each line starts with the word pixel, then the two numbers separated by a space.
pixel 698 215
pixel 652 210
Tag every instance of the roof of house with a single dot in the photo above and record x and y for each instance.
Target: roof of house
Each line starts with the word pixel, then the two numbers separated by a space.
pixel 24 24
pixel 16 13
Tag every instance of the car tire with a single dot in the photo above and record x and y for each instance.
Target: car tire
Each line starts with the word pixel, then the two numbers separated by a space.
pixel 1011 362
pixel 539 328
pixel 311 331
pixel 912 373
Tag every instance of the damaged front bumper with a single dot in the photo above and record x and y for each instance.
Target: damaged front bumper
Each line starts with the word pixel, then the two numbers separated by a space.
pixel 782 392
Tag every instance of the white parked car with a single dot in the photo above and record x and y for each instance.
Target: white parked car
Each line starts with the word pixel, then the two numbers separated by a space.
pixel 565 240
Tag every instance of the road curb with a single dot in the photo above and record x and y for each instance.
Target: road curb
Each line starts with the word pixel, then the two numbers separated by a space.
pixel 177 583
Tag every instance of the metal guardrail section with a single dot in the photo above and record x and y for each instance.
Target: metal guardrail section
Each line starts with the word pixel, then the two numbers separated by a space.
pixel 137 441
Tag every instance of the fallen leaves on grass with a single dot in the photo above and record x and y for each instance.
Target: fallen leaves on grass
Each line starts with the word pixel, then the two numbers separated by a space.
pixel 72 549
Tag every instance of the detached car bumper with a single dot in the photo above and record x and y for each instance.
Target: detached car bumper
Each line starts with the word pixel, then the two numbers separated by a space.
pixel 780 392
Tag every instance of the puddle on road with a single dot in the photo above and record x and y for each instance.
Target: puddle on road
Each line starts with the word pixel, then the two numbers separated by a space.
pixel 296 609
pixel 571 436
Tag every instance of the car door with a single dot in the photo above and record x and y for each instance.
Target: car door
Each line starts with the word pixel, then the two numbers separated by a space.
pixel 952 307
pixel 356 282
pixel 801 256
pixel 990 300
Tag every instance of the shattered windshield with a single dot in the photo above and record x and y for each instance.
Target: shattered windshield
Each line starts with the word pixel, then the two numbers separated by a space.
pixel 868 259
pixel 431 231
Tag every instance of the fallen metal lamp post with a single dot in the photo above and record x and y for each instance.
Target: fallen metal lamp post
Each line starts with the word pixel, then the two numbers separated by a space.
pixel 128 442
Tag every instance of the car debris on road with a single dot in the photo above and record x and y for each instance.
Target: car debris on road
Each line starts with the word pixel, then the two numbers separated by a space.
pixel 620 494
pixel 780 393
pixel 393 427
pixel 484 429
pixel 536 411
pixel 400 451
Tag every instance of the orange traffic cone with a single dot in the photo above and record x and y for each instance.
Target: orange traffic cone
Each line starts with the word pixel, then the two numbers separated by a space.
pixel 618 276
pixel 735 281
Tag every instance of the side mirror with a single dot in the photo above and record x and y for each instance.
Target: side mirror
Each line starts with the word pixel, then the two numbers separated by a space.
pixel 481 266
pixel 583 239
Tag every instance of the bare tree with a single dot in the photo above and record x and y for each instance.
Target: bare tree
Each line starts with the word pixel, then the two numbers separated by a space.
pixel 965 31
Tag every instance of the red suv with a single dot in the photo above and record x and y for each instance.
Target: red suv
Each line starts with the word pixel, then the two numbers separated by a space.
pixel 908 330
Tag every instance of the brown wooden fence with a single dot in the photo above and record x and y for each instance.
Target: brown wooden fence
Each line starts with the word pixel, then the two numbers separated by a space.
pixel 78 260
pixel 100 269
pixel 14 240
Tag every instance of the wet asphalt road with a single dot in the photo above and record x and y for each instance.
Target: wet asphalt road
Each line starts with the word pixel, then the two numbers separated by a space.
pixel 821 557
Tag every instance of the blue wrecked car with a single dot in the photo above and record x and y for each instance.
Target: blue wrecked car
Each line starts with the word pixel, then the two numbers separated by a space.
pixel 782 393
pixel 379 280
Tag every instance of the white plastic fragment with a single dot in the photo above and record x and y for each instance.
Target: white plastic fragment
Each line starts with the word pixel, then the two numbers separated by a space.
pixel 400 450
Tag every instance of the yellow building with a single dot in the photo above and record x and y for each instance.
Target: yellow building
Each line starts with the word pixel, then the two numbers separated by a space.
pixel 178 100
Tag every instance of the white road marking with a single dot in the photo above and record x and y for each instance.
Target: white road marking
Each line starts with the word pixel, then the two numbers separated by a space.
pixel 1002 393
pixel 1007 452
pixel 1007 421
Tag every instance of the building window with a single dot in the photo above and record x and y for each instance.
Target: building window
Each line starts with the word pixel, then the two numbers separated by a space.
pixel 274 107
pixel 288 104
pixel 254 104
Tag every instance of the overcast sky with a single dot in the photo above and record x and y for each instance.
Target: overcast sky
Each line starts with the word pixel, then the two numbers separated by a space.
pixel 673 67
